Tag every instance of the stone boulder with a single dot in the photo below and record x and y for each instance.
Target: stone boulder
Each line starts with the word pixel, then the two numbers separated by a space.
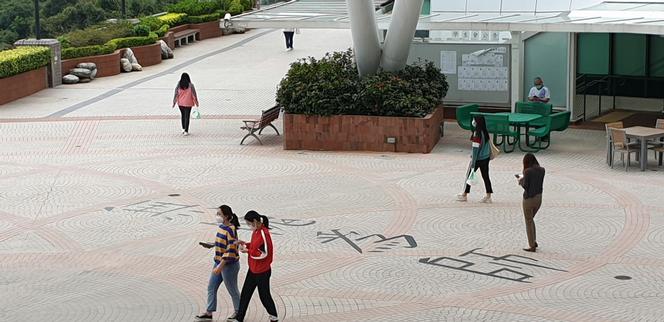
pixel 126 65
pixel 166 52
pixel 84 80
pixel 81 72
pixel 93 74
pixel 136 67
pixel 90 66
pixel 70 79
pixel 129 54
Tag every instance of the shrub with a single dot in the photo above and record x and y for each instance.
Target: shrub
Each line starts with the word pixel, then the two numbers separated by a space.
pixel 235 7
pixel 195 7
pixel 162 31
pixel 331 86
pixel 23 59
pixel 141 30
pixel 97 34
pixel 204 18
pixel 74 16
pixel 96 50
pixel 173 19
pixel 134 41
pixel 152 22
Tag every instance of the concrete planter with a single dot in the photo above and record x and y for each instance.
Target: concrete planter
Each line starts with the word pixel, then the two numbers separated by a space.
pixel 107 65
pixel 362 133
pixel 22 85
pixel 208 29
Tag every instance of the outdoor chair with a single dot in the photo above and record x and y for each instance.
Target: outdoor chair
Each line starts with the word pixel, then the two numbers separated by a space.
pixel 609 141
pixel 658 146
pixel 555 122
pixel 464 117
pixel 620 145
pixel 500 126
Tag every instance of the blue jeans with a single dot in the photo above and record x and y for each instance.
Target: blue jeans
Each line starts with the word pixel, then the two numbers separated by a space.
pixel 229 277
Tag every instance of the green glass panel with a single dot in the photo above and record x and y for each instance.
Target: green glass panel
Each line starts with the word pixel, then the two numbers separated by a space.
pixel 545 55
pixel 656 56
pixel 593 54
pixel 629 55
pixel 426 7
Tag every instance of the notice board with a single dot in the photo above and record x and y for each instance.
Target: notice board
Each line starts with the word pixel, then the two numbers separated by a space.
pixel 476 73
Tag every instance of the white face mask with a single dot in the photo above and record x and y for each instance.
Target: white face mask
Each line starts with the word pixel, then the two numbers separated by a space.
pixel 220 219
pixel 251 225
pixel 474 123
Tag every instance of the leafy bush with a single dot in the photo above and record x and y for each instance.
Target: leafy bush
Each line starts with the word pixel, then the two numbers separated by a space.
pixel 134 41
pixel 235 7
pixel 173 19
pixel 75 16
pixel 96 50
pixel 204 18
pixel 97 34
pixel 331 86
pixel 162 31
pixel 141 30
pixel 152 22
pixel 195 7
pixel 23 59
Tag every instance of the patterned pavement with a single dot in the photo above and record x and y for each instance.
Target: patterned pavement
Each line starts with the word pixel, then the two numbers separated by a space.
pixel 102 209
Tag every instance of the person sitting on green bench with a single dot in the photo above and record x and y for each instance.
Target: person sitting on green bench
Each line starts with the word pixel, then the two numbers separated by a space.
pixel 539 92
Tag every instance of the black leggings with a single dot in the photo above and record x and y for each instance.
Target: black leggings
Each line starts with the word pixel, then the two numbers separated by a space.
pixel 262 281
pixel 186 115
pixel 289 38
pixel 483 165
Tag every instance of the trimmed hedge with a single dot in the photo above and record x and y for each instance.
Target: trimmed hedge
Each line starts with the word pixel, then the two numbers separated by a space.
pixel 97 50
pixel 204 18
pixel 134 41
pixel 195 7
pixel 162 31
pixel 173 19
pixel 23 59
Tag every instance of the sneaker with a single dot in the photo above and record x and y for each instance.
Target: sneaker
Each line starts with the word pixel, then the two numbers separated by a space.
pixel 462 197
pixel 204 317
pixel 274 318
pixel 186 134
pixel 486 199
pixel 183 132
pixel 232 318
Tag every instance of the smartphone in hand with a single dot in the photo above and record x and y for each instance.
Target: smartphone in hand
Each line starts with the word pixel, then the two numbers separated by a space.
pixel 206 245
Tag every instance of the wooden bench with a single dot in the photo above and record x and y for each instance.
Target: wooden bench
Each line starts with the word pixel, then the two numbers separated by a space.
pixel 186 36
pixel 253 126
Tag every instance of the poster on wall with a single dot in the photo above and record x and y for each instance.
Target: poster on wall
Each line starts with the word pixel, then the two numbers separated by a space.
pixel 484 70
pixel 448 62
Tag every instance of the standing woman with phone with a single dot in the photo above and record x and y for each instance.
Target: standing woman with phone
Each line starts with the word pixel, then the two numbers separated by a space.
pixel 185 97
pixel 259 255
pixel 532 181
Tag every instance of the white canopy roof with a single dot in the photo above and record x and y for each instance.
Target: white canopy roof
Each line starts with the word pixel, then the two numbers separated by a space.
pixel 646 17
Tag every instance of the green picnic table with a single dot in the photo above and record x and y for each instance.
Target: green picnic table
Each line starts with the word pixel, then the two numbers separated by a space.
pixel 499 124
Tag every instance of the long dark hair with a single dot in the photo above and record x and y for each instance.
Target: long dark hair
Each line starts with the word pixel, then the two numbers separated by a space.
pixel 184 81
pixel 227 212
pixel 480 128
pixel 253 216
pixel 529 161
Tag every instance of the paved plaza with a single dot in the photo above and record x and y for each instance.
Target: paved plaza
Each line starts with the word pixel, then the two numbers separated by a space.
pixel 103 203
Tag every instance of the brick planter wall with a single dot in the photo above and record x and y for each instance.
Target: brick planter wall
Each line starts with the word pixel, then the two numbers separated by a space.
pixel 362 133
pixel 169 39
pixel 208 29
pixel 147 55
pixel 22 85
pixel 107 65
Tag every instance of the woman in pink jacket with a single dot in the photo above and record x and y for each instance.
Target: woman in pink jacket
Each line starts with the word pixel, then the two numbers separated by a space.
pixel 185 97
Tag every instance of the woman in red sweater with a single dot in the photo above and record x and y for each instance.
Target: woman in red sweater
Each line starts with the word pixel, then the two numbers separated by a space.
pixel 259 252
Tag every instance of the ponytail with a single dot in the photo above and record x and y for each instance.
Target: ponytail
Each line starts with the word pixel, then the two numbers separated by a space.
pixel 228 213
pixel 235 221
pixel 265 221
pixel 253 216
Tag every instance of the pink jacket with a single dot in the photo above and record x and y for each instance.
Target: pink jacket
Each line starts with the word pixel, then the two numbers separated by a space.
pixel 185 97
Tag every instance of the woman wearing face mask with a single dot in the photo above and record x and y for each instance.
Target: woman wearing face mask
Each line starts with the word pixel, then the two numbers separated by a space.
pixel 481 156
pixel 259 252
pixel 226 262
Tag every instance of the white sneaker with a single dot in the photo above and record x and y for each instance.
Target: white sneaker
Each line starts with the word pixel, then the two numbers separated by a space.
pixel 486 199
pixel 183 132
pixel 462 197
pixel 186 134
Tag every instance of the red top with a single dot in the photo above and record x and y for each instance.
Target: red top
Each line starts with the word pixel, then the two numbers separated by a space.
pixel 260 251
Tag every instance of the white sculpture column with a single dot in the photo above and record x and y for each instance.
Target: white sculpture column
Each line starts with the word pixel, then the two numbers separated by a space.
pixel 365 35
pixel 516 72
pixel 405 15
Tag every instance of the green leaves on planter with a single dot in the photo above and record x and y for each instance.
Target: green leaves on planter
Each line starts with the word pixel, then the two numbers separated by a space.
pixel 134 41
pixel 173 19
pixel 23 59
pixel 97 50
pixel 195 7
pixel 204 18
pixel 331 86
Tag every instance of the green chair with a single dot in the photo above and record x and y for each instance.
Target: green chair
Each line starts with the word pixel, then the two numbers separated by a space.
pixel 560 121
pixel 555 122
pixel 535 108
pixel 500 126
pixel 464 117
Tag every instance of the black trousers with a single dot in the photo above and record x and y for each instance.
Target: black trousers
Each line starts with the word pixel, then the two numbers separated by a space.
pixel 262 281
pixel 185 111
pixel 483 165
pixel 289 38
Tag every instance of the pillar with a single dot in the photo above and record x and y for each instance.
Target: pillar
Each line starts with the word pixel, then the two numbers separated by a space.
pixel 55 66
pixel 405 15
pixel 516 72
pixel 365 35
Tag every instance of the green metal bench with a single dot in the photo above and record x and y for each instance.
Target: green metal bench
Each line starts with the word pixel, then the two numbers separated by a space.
pixel 464 117
pixel 555 122
pixel 499 126
pixel 535 108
